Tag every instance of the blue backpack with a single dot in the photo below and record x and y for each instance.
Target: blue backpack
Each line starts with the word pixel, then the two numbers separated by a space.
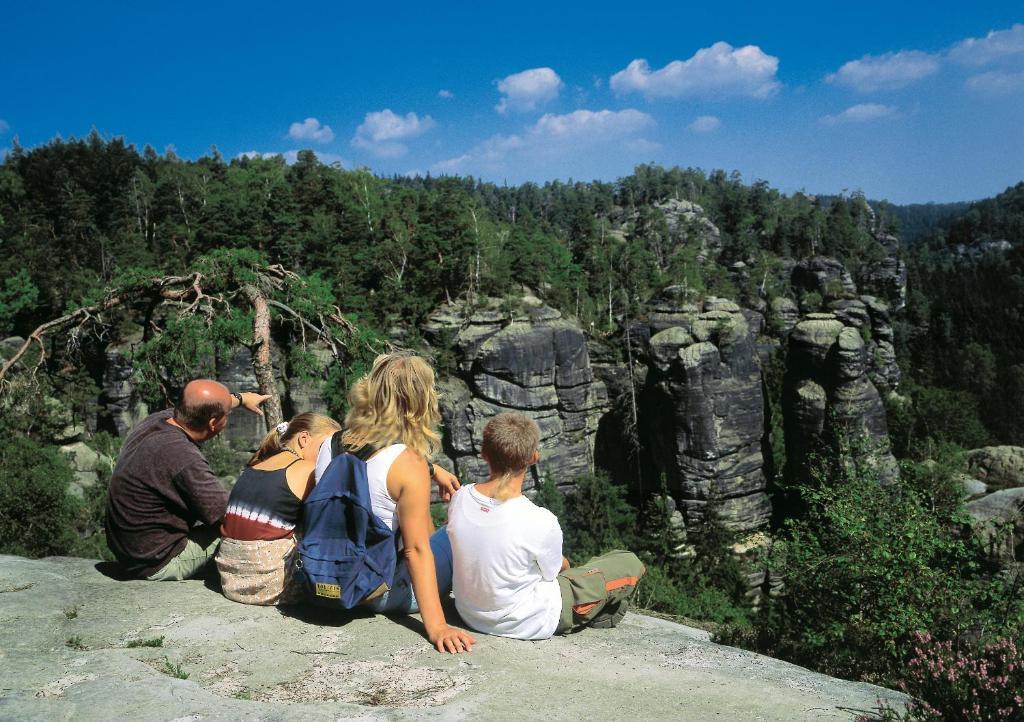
pixel 347 555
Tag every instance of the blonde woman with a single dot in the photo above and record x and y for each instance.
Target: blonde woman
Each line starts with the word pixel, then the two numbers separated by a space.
pixel 392 423
pixel 264 509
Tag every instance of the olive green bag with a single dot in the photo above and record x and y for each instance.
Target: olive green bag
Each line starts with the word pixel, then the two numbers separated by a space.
pixel 597 593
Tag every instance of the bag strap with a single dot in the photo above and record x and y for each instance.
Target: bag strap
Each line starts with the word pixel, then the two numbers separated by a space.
pixel 363 453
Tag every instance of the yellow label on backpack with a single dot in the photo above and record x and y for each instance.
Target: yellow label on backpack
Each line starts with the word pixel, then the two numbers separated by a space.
pixel 331 591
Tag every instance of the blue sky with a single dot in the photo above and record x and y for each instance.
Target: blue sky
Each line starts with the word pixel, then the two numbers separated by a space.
pixel 907 101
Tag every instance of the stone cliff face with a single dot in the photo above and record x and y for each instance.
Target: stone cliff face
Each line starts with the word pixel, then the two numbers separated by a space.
pixel 828 393
pixel 841 361
pixel 887 277
pixel 121 403
pixel 994 490
pixel 688 223
pixel 693 403
pixel 702 409
pixel 526 359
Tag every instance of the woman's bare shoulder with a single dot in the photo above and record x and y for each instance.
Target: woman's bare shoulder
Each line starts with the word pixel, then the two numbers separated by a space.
pixel 302 467
pixel 408 467
pixel 410 460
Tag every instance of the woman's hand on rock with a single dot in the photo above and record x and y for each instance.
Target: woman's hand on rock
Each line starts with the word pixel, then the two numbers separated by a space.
pixel 452 640
pixel 447 483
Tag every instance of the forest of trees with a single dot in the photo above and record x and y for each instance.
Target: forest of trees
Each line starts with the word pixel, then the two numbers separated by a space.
pixel 369 257
pixel 76 214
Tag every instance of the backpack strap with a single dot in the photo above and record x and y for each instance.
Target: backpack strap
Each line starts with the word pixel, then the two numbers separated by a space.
pixel 363 453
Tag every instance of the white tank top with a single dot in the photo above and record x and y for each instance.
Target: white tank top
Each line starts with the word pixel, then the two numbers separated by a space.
pixel 384 507
pixel 377 468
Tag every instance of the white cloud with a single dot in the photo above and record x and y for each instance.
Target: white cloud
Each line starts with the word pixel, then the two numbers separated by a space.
pixel 291 156
pixel 526 90
pixel 591 124
pixel 4 127
pixel 556 135
pixel 718 71
pixel 381 132
pixel 996 45
pixel 860 113
pixel 890 71
pixel 310 129
pixel 445 94
pixel 996 82
pixel 704 124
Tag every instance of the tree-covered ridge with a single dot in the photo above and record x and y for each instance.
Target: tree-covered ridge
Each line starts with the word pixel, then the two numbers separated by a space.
pixel 919 219
pixel 991 219
pixel 960 338
pixel 73 214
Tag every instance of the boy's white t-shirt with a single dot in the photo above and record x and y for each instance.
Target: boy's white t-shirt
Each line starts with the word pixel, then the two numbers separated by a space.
pixel 507 556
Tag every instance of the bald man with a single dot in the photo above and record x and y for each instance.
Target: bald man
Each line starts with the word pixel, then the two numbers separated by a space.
pixel 164 504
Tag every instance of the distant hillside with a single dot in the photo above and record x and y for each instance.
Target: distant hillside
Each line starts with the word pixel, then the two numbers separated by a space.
pixel 992 219
pixel 918 219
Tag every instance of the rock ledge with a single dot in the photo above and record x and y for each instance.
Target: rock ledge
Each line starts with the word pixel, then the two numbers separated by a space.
pixel 64 630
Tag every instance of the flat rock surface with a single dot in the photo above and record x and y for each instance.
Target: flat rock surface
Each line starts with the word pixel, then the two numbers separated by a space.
pixel 64 654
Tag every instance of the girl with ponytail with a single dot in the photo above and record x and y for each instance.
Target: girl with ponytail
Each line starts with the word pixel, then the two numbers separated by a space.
pixel 264 510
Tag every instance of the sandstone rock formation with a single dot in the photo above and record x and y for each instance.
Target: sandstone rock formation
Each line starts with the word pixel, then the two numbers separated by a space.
pixel 828 394
pixel 65 631
pixel 528 359
pixel 998 520
pixel 86 464
pixel 703 409
pixel 887 277
pixel 122 403
pixel 687 222
pixel 999 467
pixel 823 275
pixel 997 509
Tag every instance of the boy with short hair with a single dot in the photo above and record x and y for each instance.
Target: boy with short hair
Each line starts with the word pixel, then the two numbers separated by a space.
pixel 510 578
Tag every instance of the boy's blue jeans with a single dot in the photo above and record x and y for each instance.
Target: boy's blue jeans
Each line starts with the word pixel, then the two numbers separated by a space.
pixel 401 599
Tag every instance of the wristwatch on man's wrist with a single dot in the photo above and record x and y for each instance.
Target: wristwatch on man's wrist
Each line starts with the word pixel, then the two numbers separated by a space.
pixel 238 396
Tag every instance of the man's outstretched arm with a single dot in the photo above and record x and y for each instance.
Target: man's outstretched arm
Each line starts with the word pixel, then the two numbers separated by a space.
pixel 251 401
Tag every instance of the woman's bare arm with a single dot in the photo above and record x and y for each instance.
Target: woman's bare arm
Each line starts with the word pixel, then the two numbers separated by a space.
pixel 409 484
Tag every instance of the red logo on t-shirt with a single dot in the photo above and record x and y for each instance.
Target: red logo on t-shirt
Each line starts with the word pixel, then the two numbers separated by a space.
pixel 484 508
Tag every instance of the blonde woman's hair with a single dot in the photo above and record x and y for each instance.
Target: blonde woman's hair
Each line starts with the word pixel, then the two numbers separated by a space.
pixel 275 441
pixel 395 403
pixel 509 442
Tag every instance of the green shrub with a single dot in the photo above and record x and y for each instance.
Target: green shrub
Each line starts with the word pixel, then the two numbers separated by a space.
pixel 597 518
pixel 37 516
pixel 811 301
pixel 714 564
pixel 153 642
pixel 701 581
pixel 174 669
pixel 932 416
pixel 661 543
pixel 864 569
pixel 548 496
pixel 222 460
pixel 439 514
pixel 709 603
